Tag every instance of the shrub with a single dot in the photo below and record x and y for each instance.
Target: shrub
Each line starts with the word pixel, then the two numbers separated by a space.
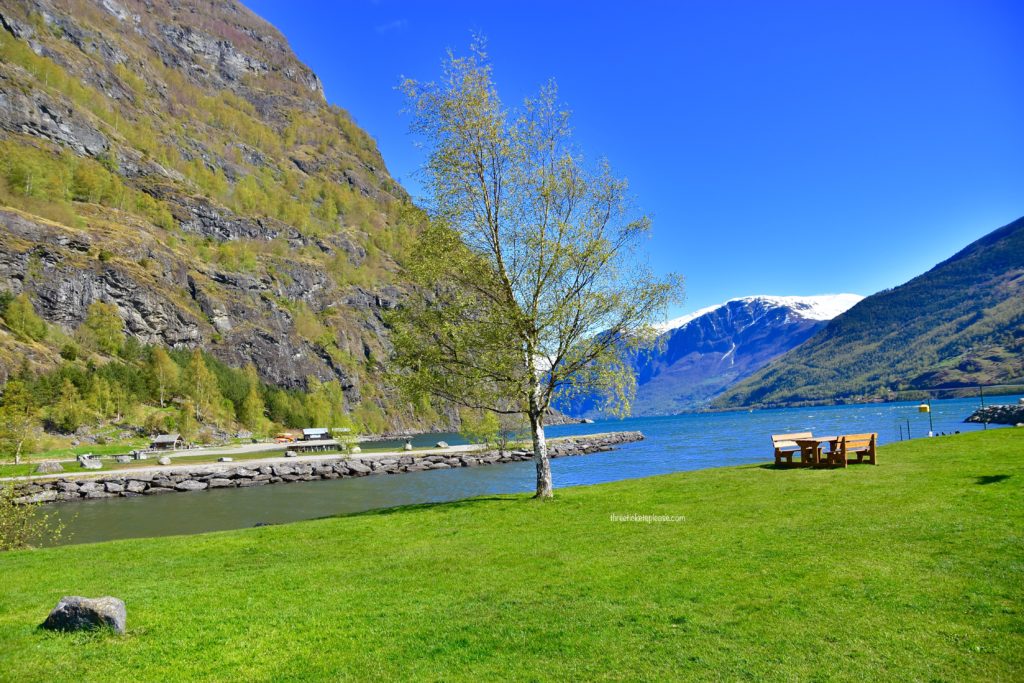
pixel 69 351
pixel 21 525
pixel 20 316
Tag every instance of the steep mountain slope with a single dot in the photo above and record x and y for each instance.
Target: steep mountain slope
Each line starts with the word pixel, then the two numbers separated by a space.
pixel 175 159
pixel 959 324
pixel 701 354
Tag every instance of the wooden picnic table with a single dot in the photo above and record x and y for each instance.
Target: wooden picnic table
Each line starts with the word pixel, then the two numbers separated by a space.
pixel 810 448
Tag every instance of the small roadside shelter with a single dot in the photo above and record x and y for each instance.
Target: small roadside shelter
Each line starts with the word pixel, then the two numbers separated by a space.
pixel 315 434
pixel 166 442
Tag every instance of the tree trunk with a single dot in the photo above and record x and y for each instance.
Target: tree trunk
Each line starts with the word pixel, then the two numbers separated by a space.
pixel 540 453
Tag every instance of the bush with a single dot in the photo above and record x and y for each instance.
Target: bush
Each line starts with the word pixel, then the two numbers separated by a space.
pixel 21 525
pixel 103 327
pixel 69 351
pixel 20 316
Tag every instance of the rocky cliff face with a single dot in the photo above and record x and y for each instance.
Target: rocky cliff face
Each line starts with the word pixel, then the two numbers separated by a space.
pixel 195 178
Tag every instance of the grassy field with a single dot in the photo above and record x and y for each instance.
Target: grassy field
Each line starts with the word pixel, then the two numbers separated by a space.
pixel 911 570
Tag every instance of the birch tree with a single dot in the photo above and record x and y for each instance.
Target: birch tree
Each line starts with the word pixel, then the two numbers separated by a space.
pixel 165 371
pixel 18 419
pixel 530 284
pixel 201 386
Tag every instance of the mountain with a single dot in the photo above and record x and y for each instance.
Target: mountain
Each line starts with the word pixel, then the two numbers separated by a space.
pixel 174 159
pixel 959 324
pixel 699 355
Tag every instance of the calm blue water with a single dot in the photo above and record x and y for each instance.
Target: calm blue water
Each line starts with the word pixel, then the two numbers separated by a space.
pixel 673 444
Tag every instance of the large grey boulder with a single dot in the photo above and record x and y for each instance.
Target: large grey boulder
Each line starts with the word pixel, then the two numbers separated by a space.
pixel 40 497
pixel 163 460
pixel 75 613
pixel 49 467
pixel 441 444
pixel 358 466
pixel 88 462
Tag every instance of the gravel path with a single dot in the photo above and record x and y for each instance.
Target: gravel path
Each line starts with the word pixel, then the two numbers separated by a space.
pixel 258 462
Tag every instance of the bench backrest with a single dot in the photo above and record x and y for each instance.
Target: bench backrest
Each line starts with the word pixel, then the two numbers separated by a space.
pixel 858 440
pixel 788 440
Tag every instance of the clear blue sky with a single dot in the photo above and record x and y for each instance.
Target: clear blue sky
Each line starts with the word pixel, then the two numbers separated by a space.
pixel 782 147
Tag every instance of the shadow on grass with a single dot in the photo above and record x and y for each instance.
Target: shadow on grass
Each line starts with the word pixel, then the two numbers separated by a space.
pixel 784 468
pixel 450 505
pixel 992 479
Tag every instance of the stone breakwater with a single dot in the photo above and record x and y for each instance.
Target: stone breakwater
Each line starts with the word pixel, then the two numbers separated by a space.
pixel 998 415
pixel 184 478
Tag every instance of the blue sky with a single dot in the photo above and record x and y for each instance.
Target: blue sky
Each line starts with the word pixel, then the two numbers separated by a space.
pixel 783 147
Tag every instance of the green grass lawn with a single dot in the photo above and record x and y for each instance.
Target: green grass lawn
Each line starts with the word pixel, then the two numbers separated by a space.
pixel 28 466
pixel 113 448
pixel 909 571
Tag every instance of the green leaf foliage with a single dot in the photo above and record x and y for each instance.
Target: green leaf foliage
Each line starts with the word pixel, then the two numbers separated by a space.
pixel 530 285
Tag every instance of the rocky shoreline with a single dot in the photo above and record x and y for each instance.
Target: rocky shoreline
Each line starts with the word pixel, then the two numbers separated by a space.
pixel 998 415
pixel 184 478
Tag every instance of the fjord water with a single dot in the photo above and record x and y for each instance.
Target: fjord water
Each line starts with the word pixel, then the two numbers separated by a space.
pixel 673 444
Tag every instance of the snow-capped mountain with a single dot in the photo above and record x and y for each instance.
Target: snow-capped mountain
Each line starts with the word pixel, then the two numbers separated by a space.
pixel 702 354
pixel 823 307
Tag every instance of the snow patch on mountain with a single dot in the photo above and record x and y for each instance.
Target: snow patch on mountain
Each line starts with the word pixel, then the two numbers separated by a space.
pixel 821 307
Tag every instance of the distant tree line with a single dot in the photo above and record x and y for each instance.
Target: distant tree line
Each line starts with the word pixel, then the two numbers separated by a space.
pixel 107 377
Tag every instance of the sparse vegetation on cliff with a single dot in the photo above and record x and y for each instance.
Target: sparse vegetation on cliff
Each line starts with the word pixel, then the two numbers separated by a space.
pixel 177 168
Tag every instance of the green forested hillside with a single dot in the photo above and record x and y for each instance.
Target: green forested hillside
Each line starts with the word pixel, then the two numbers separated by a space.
pixel 174 161
pixel 959 324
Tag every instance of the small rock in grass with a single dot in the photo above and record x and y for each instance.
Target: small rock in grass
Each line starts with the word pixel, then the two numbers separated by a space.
pixel 355 449
pixel 225 459
pixel 49 467
pixel 290 454
pixel 441 444
pixel 75 613
pixel 123 459
pixel 163 460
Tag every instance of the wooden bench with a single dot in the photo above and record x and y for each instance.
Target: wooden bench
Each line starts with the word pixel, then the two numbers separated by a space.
pixel 786 447
pixel 861 445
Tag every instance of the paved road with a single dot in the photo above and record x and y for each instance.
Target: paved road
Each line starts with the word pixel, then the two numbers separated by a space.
pixel 231 451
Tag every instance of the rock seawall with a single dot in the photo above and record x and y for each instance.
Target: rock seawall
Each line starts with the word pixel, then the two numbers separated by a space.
pixel 998 415
pixel 184 478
